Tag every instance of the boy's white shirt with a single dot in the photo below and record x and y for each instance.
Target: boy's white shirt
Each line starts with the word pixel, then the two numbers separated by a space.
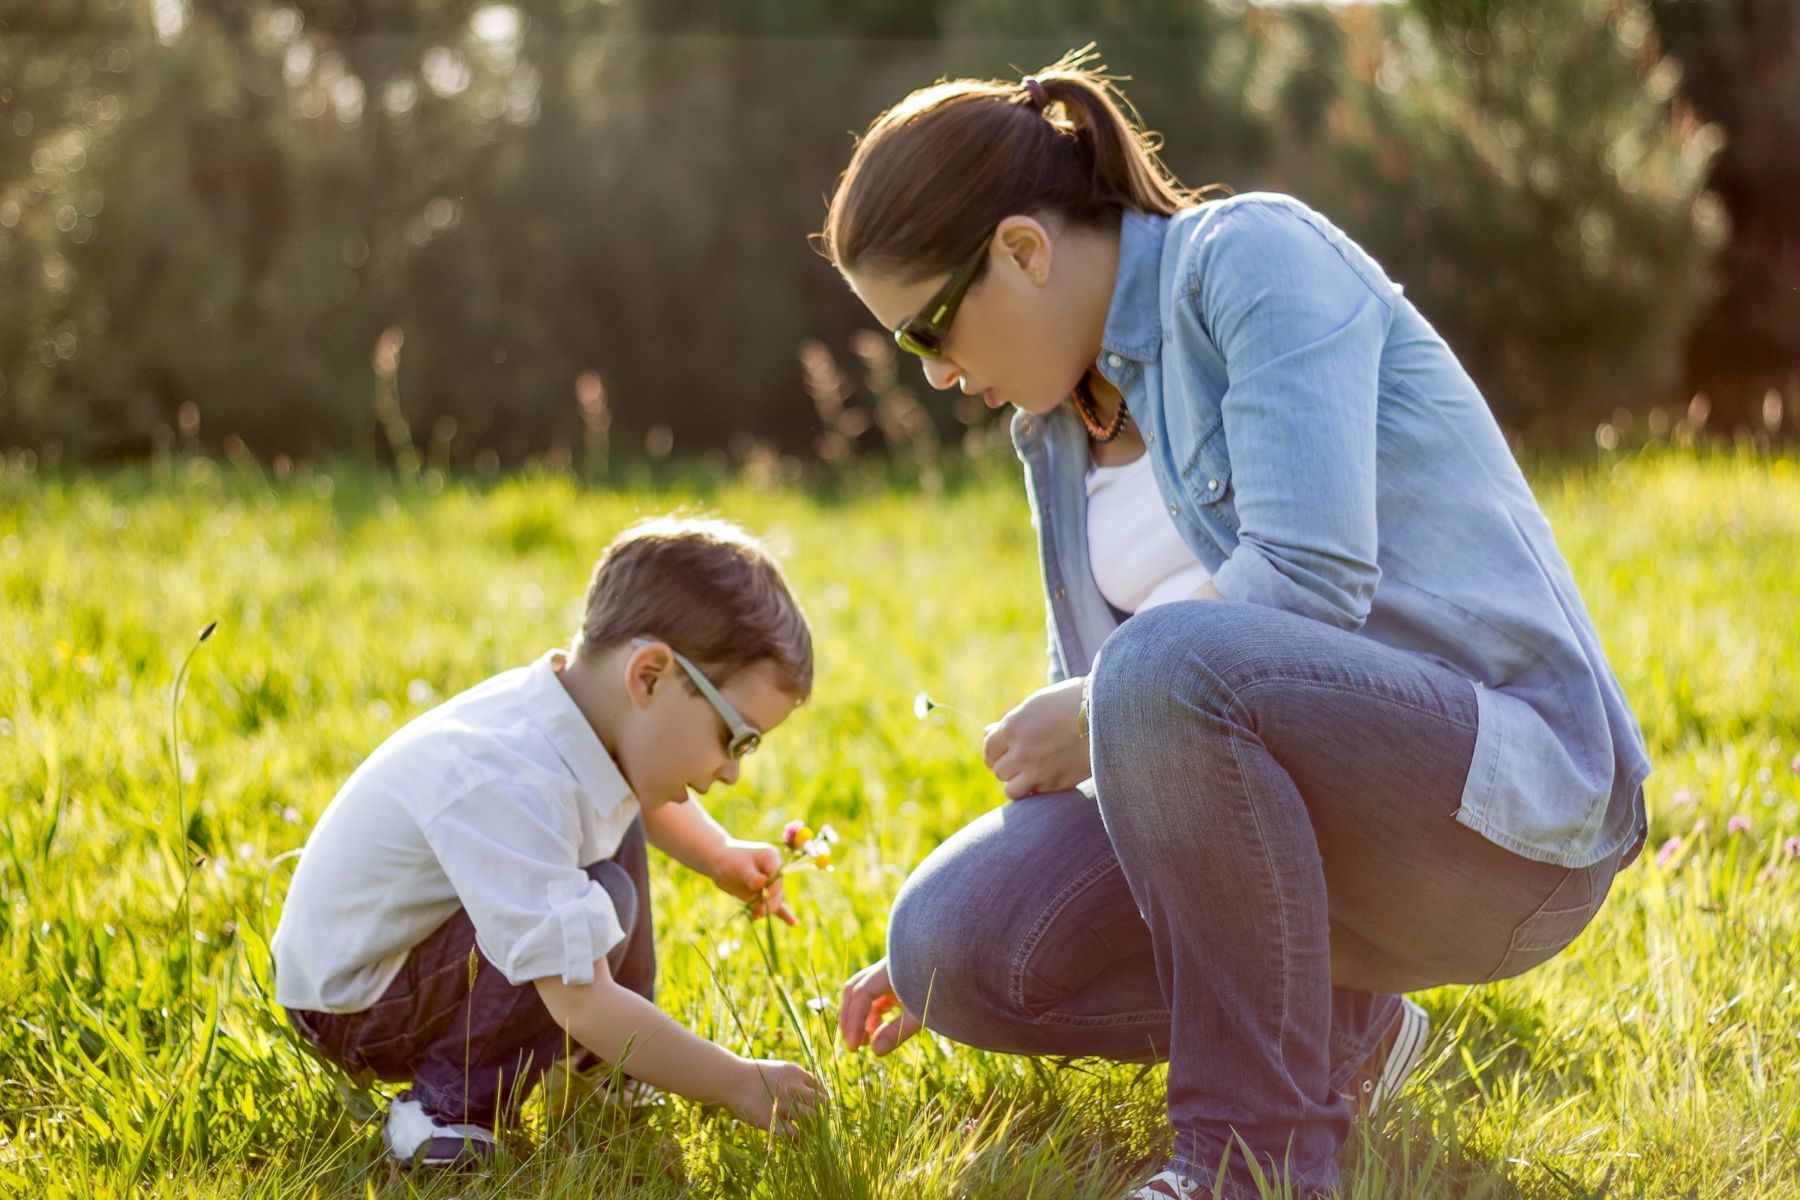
pixel 493 801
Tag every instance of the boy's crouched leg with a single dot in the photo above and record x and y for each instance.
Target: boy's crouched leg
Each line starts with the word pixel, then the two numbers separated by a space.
pixel 496 1040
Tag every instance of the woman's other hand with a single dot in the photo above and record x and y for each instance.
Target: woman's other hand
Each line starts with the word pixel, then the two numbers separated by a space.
pixel 1039 746
pixel 868 997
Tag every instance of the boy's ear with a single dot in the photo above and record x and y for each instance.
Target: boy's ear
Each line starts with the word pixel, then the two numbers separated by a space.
pixel 645 669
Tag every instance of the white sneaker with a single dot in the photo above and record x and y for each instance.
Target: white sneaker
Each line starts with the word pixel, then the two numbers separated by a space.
pixel 1167 1185
pixel 416 1138
pixel 1386 1069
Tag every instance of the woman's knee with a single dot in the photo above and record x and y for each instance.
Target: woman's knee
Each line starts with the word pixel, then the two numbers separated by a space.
pixel 1163 662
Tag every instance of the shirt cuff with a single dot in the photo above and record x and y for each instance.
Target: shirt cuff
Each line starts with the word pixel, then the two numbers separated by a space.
pixel 580 928
pixel 1249 576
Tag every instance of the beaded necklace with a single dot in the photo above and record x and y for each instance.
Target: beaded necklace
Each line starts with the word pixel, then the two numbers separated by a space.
pixel 1089 412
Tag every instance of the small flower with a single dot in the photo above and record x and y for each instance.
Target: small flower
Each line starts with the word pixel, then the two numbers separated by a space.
pixel 923 704
pixel 1668 851
pixel 823 862
pixel 828 835
pixel 1791 847
pixel 1683 798
pixel 820 1004
pixel 1738 824
pixel 794 833
pixel 1796 764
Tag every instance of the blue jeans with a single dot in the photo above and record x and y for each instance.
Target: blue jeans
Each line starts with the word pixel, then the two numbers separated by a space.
pixel 1268 857
pixel 473 1044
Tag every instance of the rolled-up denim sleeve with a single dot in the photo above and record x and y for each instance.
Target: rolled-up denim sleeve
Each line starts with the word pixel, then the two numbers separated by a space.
pixel 512 861
pixel 1301 333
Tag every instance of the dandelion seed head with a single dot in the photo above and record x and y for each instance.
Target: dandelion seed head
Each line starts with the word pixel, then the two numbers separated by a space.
pixel 923 704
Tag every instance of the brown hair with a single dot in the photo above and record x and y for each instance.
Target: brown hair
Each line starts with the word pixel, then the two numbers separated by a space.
pixel 936 172
pixel 708 589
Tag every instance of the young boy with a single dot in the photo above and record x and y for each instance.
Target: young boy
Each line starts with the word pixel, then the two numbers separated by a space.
pixel 474 902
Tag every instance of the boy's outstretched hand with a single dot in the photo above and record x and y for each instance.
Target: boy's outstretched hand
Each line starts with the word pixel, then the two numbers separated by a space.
pixel 771 1094
pixel 751 872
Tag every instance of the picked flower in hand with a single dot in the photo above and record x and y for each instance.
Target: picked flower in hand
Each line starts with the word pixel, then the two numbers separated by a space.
pixel 806 848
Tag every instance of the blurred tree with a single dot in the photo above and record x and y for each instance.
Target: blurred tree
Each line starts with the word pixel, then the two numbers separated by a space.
pixel 1740 63
pixel 212 212
pixel 1520 167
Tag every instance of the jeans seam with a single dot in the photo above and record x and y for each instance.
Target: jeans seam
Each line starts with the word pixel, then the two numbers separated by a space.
pixel 1035 935
pixel 1280 908
pixel 1335 686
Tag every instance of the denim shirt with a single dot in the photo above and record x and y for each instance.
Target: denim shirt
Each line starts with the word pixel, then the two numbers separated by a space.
pixel 1320 450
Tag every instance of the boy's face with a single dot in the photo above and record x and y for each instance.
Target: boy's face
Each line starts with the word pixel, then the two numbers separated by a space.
pixel 676 741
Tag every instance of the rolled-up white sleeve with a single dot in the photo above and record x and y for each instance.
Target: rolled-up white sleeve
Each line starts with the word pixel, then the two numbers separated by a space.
pixel 512 861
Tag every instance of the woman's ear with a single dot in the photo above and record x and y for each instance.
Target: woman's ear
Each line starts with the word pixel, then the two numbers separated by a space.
pixel 1025 243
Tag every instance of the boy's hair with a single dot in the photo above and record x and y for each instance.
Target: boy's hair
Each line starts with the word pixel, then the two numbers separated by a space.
pixel 707 588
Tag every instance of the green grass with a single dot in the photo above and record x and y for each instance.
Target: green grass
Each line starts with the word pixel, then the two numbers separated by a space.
pixel 1656 1057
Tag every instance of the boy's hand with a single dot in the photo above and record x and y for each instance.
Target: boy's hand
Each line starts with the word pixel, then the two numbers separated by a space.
pixel 769 1093
pixel 748 870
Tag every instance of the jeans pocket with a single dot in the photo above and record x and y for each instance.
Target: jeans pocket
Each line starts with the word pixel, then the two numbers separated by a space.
pixel 1557 922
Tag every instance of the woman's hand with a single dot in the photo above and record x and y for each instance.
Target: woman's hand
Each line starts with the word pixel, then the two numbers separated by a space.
pixel 1038 746
pixel 750 871
pixel 867 997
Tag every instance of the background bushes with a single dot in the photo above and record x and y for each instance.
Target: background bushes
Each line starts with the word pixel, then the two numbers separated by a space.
pixel 439 231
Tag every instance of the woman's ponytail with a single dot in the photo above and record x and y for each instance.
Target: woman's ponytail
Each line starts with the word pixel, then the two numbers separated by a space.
pixel 1063 141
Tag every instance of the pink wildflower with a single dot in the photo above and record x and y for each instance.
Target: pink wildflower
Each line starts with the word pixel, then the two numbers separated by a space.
pixel 1791 847
pixel 1683 798
pixel 1668 851
pixel 1738 824
pixel 794 833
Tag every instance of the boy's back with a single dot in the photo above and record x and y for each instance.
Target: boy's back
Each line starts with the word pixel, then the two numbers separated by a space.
pixel 497 794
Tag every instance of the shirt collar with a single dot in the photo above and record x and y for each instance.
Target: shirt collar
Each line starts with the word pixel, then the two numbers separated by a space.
pixel 554 711
pixel 1134 319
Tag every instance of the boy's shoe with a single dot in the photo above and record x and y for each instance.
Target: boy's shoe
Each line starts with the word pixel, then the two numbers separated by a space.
pixel 418 1139
pixel 1167 1185
pixel 1384 1072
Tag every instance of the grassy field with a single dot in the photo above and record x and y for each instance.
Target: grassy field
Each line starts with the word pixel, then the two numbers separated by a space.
pixel 139 1056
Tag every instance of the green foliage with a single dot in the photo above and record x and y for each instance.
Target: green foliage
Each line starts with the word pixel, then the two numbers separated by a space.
pixel 1519 168
pixel 214 216
pixel 1740 68
pixel 1652 1058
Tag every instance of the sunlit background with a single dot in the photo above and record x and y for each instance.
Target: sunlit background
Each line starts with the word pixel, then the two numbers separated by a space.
pixel 464 236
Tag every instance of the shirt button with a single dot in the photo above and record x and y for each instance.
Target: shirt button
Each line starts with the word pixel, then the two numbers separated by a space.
pixel 1060 593
pixel 1113 360
pixel 1173 510
pixel 1212 485
pixel 1150 439
pixel 1025 425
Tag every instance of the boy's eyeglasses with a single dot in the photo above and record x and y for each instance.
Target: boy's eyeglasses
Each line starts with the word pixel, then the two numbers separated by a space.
pixel 926 331
pixel 744 737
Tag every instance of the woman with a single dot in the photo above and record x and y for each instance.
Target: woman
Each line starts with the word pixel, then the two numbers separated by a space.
pixel 1327 719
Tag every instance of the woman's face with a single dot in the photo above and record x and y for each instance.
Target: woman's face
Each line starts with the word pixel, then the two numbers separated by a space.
pixel 1019 337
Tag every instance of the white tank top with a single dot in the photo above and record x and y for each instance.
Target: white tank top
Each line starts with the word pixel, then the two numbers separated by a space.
pixel 1138 558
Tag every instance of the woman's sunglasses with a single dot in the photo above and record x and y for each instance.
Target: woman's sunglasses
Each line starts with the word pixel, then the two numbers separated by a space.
pixel 743 736
pixel 926 331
